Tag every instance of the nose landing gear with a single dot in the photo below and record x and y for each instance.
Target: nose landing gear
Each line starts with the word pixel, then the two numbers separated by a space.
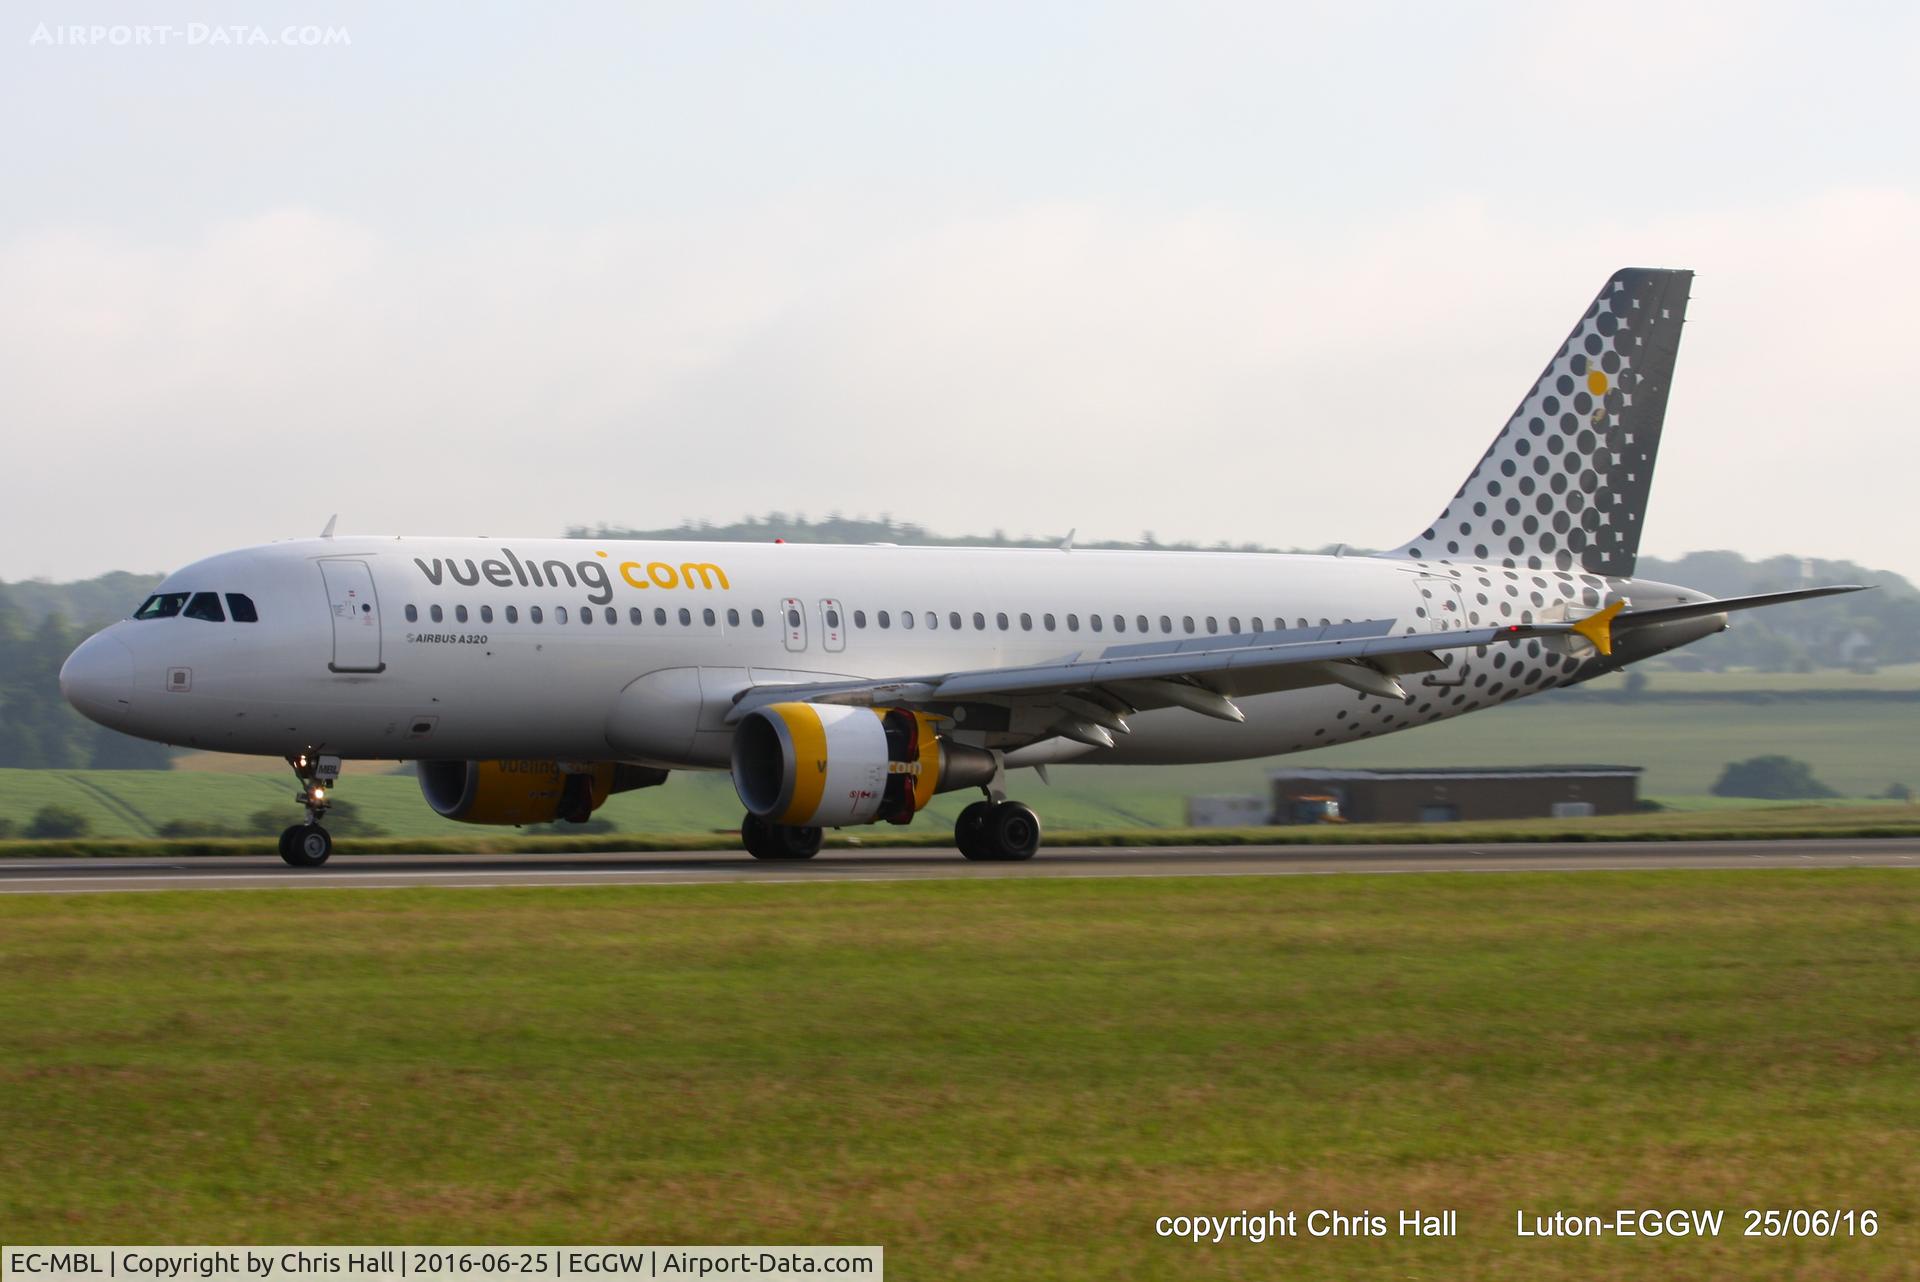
pixel 308 845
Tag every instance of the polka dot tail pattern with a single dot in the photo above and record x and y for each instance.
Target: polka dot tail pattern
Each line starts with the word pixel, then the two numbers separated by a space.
pixel 1564 486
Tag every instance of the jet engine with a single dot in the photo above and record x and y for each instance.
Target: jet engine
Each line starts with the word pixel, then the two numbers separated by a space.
pixel 819 765
pixel 527 792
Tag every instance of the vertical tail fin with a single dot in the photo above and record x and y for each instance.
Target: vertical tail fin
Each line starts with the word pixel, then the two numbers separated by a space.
pixel 1564 486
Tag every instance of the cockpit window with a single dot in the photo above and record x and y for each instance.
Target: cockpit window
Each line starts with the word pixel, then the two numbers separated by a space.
pixel 205 605
pixel 240 606
pixel 161 605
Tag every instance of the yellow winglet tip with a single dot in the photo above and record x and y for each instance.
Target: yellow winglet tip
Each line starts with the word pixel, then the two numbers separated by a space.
pixel 1598 628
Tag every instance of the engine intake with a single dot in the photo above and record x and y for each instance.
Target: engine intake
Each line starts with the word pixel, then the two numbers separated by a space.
pixel 527 792
pixel 820 765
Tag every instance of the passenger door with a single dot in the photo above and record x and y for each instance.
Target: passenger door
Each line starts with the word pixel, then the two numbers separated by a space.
pixel 1446 609
pixel 356 616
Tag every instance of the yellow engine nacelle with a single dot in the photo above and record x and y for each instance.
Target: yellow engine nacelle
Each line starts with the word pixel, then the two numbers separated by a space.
pixel 526 792
pixel 819 765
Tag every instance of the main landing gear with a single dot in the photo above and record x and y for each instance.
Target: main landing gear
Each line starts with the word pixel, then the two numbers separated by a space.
pixel 997 830
pixel 308 845
pixel 765 840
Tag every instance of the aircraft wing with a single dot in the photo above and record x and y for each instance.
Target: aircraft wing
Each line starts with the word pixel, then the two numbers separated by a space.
pixel 1088 694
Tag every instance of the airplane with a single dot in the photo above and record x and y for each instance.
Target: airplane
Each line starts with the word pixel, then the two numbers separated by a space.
pixel 530 679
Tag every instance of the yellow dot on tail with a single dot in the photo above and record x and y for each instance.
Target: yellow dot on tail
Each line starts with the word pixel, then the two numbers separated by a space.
pixel 1596 382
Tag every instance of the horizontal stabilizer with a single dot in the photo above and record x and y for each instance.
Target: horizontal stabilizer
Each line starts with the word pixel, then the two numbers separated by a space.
pixel 1701 609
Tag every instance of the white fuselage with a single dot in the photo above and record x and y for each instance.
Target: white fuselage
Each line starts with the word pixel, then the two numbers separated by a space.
pixel 432 650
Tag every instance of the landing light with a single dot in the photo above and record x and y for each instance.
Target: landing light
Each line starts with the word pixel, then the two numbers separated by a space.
pixel 318 794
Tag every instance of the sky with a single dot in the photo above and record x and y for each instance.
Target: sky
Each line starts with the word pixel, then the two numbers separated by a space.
pixel 1270 273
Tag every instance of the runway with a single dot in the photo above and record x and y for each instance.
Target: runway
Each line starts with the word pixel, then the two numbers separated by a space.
pixel 82 876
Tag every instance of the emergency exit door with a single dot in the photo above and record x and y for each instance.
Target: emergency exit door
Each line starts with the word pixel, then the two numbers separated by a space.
pixel 793 623
pixel 356 616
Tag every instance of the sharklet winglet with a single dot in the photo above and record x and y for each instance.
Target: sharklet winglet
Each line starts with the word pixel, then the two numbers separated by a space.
pixel 1598 628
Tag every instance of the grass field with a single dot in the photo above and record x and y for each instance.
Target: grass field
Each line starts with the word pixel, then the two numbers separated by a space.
pixel 1857 748
pixel 995 1080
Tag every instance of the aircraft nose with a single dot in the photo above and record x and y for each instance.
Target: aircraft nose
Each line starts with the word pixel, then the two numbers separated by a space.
pixel 97 678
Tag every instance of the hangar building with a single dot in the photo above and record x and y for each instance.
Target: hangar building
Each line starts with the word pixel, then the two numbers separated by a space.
pixel 1458 792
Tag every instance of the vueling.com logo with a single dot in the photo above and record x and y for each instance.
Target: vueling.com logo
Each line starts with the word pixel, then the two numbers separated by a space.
pixel 508 569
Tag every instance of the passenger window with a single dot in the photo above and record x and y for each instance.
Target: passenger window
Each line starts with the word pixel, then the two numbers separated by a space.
pixel 1142 621
pixel 1233 624
pixel 686 617
pixel 793 617
pixel 533 614
pixel 205 606
pixel 1213 624
pixel 486 614
pixel 1047 622
pixel 240 606
pixel 759 619
pixel 953 620
pixel 833 617
pixel 586 615
pixel 413 614
pixel 559 614
pixel 1093 621
pixel 513 614
pixel 636 616
pixel 1001 621
pixel 859 618
pixel 612 615
pixel 979 621
pixel 933 620
pixel 1303 623
pixel 436 614
pixel 660 616
pixel 906 618
pixel 733 618
pixel 1166 624
pixel 1073 623
pixel 162 605
pixel 1026 622
pixel 1119 623
pixel 1186 621
pixel 460 613
pixel 884 619
pixel 708 617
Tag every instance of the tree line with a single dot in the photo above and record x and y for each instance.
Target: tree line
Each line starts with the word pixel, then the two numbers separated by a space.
pixel 38 729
